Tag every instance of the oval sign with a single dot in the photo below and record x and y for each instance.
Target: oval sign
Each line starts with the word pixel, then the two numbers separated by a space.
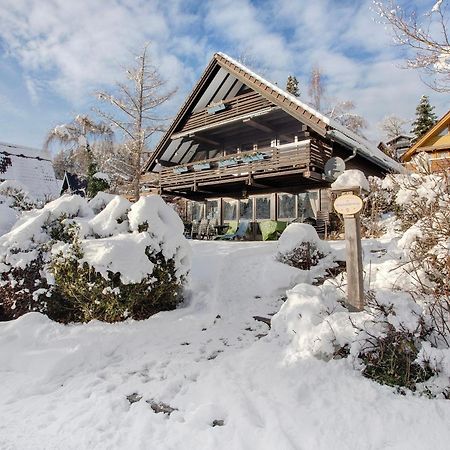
pixel 348 204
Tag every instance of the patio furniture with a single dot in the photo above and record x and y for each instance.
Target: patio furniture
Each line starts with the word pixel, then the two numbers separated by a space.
pixel 239 234
pixel 194 229
pixel 231 229
pixel 271 229
pixel 203 229
pixel 211 231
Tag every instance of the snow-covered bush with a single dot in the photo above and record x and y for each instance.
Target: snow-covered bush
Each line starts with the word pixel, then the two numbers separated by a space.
pixel 300 246
pixel 420 204
pixel 14 195
pixel 393 341
pixel 25 283
pixel 90 263
pixel 378 204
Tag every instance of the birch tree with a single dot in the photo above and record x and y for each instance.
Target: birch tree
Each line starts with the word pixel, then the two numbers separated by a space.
pixel 316 88
pixel 134 104
pixel 426 35
pixel 344 113
pixel 76 138
pixel 393 126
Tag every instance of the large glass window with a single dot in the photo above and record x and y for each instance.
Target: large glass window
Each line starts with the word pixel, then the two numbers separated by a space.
pixel 230 210
pixel 286 206
pixel 212 209
pixel 197 210
pixel 246 209
pixel 262 205
pixel 307 205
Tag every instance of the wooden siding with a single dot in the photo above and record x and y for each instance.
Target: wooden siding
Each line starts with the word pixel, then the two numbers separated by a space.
pixel 237 106
pixel 277 97
pixel 275 163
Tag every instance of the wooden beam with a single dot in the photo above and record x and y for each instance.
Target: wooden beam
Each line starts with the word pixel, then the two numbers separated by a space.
pixel 204 140
pixel 164 163
pixel 251 182
pixel 259 126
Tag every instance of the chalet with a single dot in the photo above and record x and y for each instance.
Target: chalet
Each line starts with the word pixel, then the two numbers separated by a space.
pixel 396 146
pixel 436 142
pixel 242 148
pixel 31 168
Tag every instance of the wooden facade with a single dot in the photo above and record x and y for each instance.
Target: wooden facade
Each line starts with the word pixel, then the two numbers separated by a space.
pixel 436 143
pixel 238 136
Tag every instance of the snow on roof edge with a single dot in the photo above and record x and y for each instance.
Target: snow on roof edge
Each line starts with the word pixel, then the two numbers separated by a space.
pixel 367 149
pixel 20 148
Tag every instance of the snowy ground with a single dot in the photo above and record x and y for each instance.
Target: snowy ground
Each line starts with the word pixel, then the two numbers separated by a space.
pixel 66 387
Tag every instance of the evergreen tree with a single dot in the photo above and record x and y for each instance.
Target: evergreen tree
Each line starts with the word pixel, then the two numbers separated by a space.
pixel 292 86
pixel 425 118
pixel 95 184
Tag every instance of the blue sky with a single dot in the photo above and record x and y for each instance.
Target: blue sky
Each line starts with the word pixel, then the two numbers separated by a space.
pixel 54 54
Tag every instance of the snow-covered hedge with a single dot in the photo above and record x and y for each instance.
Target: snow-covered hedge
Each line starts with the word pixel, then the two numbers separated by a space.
pixel 105 259
pixel 300 246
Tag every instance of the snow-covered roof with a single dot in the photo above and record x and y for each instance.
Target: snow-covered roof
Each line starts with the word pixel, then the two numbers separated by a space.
pixel 32 168
pixel 339 132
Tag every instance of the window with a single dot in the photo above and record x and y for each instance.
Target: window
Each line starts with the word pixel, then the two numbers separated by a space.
pixel 230 210
pixel 262 205
pixel 197 210
pixel 212 209
pixel 307 205
pixel 286 206
pixel 246 209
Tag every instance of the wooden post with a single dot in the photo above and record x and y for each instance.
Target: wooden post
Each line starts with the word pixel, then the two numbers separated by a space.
pixel 355 281
pixel 349 205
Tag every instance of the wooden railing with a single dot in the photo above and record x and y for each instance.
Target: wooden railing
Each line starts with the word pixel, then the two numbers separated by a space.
pixel 257 164
pixel 236 106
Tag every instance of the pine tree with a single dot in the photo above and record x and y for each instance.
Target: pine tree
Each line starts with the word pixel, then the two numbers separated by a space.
pixel 425 118
pixel 292 86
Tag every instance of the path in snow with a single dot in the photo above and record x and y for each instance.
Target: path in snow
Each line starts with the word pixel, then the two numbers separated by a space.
pixel 66 387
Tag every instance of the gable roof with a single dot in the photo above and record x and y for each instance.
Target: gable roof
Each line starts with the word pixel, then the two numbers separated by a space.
pixel 73 184
pixel 32 168
pixel 443 123
pixel 320 123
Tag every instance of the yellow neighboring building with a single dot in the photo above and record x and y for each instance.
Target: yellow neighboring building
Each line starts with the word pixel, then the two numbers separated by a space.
pixel 436 142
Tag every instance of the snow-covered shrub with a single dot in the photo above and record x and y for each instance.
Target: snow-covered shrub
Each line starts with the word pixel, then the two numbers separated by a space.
pixel 25 283
pixel 393 341
pixel 125 261
pixel 8 217
pixel 389 342
pixel 378 203
pixel 14 195
pixel 300 246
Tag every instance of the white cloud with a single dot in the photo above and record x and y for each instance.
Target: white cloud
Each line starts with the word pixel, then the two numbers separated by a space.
pixel 72 48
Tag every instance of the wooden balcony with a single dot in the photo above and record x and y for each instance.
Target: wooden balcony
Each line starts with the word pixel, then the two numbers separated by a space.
pixel 234 107
pixel 247 167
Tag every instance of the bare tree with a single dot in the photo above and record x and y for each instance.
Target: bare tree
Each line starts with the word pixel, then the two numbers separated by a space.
pixel 426 35
pixel 316 87
pixel 393 126
pixel 135 105
pixel 343 112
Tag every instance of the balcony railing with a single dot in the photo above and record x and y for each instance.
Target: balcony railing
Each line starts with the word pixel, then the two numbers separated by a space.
pixel 225 169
